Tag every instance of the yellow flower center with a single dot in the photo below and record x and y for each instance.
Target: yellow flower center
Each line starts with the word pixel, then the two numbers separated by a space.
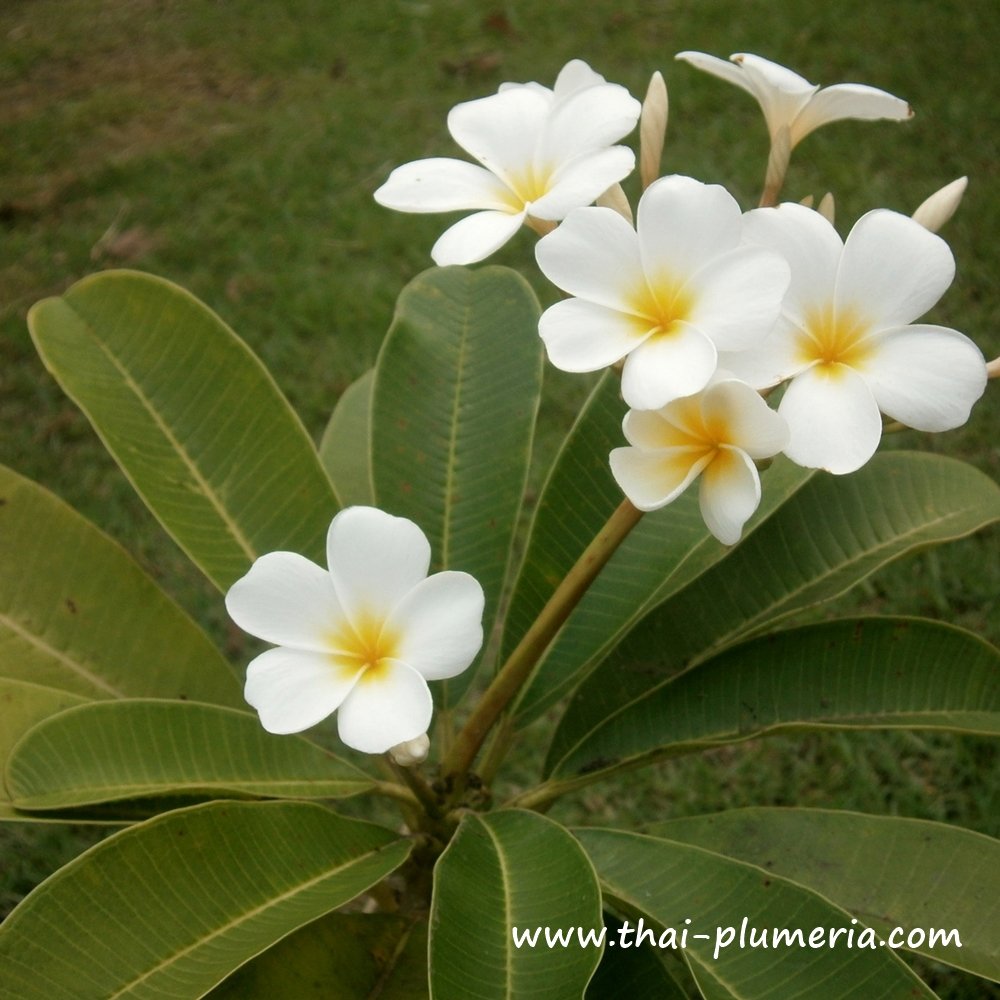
pixel 661 306
pixel 529 185
pixel 832 338
pixel 367 646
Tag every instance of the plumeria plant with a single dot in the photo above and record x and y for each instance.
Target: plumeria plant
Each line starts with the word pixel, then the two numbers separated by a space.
pixel 339 814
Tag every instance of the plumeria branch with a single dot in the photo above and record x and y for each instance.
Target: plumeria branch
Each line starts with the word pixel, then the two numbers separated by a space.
pixel 521 662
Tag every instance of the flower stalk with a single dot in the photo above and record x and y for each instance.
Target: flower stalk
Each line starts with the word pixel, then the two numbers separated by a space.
pixel 522 660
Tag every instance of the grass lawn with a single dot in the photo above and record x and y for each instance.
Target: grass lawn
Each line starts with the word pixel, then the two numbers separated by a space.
pixel 234 147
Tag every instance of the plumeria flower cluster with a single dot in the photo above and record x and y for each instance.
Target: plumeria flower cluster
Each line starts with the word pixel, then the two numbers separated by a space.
pixel 707 308
pixel 361 638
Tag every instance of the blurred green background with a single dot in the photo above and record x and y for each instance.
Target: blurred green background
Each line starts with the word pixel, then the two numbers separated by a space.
pixel 233 146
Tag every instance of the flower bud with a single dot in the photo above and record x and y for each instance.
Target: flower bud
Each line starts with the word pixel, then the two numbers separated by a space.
pixel 411 752
pixel 940 206
pixel 652 129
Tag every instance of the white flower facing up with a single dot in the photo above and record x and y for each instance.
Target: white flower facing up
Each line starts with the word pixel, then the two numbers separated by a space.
pixel 714 435
pixel 665 296
pixel 789 100
pixel 362 638
pixel 542 153
pixel 847 337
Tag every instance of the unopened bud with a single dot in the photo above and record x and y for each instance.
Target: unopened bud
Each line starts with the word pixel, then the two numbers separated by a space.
pixel 941 205
pixel 652 129
pixel 411 752
pixel 614 198
pixel 826 207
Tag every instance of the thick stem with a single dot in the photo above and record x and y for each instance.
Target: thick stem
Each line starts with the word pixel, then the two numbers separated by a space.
pixel 777 167
pixel 521 662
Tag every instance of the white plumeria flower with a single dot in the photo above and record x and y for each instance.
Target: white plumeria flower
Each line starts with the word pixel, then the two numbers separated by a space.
pixel 714 435
pixel 543 152
pixel 665 296
pixel 790 100
pixel 362 638
pixel 847 339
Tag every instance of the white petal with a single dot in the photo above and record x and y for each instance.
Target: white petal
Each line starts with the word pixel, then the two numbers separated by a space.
pixel 729 494
pixel 848 100
pixel 502 131
pixel 580 336
pixel 752 425
pixel 589 119
pixel 573 77
pixel 665 368
pixel 649 430
pixel 833 419
pixel 737 296
pixel 926 377
pixel 439 624
pixel 683 224
pixel 582 181
pixel 375 559
pixel 475 237
pixel 386 707
pixel 293 690
pixel 652 479
pixel 776 358
pixel 810 245
pixel 440 184
pixel 288 600
pixel 892 270
pixel 722 68
pixel 594 254
pixel 782 93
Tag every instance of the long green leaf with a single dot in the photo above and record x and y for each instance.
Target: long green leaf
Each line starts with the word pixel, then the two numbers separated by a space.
pixel 172 906
pixel 78 614
pixel 457 387
pixel 669 883
pixel 23 705
pixel 631 972
pixel 888 871
pixel 828 536
pixel 192 417
pixel 507 870
pixel 345 449
pixel 859 673
pixel 109 751
pixel 342 956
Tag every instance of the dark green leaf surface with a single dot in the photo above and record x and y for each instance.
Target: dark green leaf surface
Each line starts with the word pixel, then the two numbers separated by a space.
pixel 168 908
pixel 192 417
pixel 506 870
pixel 886 870
pixel 345 449
pixel 78 613
pixel 669 883
pixel 109 751
pixel 456 393
pixel 828 536
pixel 860 673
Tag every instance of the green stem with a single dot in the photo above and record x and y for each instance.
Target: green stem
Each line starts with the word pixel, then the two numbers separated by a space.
pixel 521 662
pixel 418 789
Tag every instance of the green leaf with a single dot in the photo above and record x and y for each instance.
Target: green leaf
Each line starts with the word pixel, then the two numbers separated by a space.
pixel 345 448
pixel 886 870
pixel 668 883
pixel 342 956
pixel 507 870
pixel 864 673
pixel 81 616
pixel 172 906
pixel 110 751
pixel 457 387
pixel 22 705
pixel 827 537
pixel 667 548
pixel 631 972
pixel 192 417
